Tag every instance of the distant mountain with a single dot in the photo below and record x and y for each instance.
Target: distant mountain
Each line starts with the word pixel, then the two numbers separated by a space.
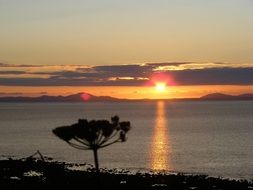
pixel 80 97
pixel 246 95
pixel 85 97
pixel 217 96
pixel 220 96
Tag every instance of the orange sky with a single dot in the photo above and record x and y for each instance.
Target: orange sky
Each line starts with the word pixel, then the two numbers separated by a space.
pixel 115 47
pixel 134 92
pixel 98 32
pixel 132 81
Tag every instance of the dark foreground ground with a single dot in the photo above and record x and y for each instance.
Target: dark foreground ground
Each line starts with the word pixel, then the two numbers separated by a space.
pixel 32 173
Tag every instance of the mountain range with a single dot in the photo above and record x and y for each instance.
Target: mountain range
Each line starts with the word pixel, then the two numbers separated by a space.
pixel 85 97
pixel 80 97
pixel 220 96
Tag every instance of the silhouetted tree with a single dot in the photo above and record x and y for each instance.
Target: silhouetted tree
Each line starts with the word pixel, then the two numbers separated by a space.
pixel 94 134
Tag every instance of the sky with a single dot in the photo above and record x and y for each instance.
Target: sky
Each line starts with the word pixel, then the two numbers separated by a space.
pixel 119 47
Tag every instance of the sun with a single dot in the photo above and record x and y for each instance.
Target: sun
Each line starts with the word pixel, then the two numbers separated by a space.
pixel 160 86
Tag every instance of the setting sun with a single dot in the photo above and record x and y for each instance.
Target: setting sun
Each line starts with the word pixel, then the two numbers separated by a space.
pixel 160 87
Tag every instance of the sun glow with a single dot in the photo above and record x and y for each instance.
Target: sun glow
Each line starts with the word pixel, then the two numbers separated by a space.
pixel 160 87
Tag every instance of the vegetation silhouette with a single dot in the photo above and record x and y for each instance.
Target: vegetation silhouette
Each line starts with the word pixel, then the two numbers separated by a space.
pixel 94 134
pixel 32 173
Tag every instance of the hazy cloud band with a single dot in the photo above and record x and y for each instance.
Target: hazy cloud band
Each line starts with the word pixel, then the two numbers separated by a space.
pixel 182 73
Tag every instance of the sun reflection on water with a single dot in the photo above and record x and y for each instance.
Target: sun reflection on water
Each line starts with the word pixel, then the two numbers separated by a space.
pixel 160 145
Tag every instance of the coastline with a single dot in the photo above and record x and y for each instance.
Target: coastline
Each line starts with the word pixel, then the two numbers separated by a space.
pixel 45 173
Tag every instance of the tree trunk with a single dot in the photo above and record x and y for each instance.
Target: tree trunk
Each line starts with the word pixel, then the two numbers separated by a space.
pixel 95 151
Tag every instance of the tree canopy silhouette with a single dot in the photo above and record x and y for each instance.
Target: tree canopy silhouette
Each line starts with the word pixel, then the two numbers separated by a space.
pixel 94 134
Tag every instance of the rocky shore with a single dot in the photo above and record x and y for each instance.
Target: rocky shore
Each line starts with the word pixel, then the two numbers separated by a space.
pixel 31 173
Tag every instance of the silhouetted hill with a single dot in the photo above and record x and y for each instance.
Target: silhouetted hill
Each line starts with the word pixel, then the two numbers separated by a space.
pixel 80 97
pixel 246 95
pixel 217 96
pixel 85 97
pixel 220 96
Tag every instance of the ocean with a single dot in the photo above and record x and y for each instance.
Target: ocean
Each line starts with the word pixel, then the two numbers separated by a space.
pixel 199 137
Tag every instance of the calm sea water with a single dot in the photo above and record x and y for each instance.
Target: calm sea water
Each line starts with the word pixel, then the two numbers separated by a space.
pixel 214 138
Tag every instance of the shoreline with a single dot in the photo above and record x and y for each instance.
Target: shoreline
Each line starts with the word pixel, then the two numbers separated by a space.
pixel 78 166
pixel 30 172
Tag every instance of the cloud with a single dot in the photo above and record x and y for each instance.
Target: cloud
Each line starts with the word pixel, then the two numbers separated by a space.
pixel 5 94
pixel 182 73
pixel 12 72
pixel 3 64
pixel 214 76
pixel 10 94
